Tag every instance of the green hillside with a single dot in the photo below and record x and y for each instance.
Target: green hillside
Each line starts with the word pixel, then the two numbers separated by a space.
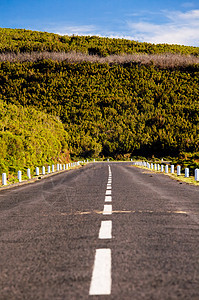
pixel 111 110
pixel 29 138
pixel 21 40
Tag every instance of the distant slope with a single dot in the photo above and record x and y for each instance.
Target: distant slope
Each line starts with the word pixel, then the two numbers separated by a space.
pixel 21 40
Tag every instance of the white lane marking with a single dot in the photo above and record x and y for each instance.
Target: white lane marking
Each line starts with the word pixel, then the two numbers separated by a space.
pixel 108 187
pixel 101 277
pixel 105 230
pixel 108 184
pixel 108 192
pixel 108 198
pixel 107 209
pixel 109 181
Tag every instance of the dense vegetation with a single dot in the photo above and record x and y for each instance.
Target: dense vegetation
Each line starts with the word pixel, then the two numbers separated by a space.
pixel 29 138
pixel 112 110
pixel 107 108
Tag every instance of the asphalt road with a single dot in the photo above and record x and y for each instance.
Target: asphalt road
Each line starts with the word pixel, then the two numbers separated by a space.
pixel 149 246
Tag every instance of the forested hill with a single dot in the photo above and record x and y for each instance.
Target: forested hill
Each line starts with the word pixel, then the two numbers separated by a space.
pixel 111 110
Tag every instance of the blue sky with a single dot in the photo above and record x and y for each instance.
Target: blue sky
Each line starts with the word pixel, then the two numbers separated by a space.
pixel 154 21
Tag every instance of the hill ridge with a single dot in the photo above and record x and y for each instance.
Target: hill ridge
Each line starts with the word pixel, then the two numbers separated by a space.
pixel 22 40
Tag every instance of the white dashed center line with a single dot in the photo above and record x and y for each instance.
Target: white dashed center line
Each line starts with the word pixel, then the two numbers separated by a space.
pixel 108 198
pixel 107 210
pixel 108 192
pixel 105 230
pixel 101 277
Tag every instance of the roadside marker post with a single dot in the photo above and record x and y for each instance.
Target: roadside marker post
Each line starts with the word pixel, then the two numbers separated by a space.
pixel 172 168
pixel 19 176
pixel 37 171
pixel 162 168
pixel 28 174
pixel 4 179
pixel 187 172
pixel 43 170
pixel 197 174
pixel 166 169
pixel 178 170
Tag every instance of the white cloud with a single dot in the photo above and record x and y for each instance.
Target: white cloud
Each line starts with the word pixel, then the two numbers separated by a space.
pixel 171 27
pixel 180 17
pixel 179 28
pixel 77 30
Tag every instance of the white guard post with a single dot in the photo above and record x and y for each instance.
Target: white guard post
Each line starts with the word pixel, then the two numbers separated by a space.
pixel 4 179
pixel 178 170
pixel 28 174
pixel 37 171
pixel 197 174
pixel 19 176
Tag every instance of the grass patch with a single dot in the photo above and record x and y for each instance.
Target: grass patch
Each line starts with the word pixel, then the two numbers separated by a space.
pixel 190 180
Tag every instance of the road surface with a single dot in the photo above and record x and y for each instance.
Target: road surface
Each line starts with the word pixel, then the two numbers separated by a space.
pixel 105 231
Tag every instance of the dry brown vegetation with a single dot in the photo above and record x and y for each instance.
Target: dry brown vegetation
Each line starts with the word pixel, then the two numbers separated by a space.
pixel 164 60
